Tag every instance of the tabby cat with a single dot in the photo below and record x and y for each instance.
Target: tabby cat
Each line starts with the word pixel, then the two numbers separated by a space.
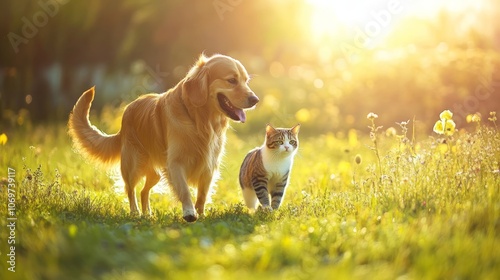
pixel 265 170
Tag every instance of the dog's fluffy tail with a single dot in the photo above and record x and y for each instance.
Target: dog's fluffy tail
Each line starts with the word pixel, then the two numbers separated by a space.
pixel 88 139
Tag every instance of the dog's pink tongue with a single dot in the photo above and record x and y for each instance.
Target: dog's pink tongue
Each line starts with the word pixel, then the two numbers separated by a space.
pixel 241 115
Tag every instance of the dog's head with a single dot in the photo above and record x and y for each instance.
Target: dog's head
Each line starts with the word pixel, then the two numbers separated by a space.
pixel 222 82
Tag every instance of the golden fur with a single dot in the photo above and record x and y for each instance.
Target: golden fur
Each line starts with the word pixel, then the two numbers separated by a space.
pixel 178 135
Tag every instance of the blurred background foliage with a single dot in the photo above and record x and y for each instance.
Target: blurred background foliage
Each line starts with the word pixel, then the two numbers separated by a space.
pixel 325 64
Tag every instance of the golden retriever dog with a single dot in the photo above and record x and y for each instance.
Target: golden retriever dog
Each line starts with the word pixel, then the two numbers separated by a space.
pixel 178 135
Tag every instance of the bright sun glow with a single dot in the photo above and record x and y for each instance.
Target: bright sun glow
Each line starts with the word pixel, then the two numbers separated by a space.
pixel 329 17
pixel 325 11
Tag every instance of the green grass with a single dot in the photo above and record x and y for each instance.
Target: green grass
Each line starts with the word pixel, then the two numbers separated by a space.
pixel 423 209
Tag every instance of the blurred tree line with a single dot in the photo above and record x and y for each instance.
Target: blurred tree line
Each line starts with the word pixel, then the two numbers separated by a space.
pixel 53 50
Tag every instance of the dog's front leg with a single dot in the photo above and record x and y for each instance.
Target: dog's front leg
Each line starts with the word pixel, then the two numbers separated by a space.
pixel 178 182
pixel 204 184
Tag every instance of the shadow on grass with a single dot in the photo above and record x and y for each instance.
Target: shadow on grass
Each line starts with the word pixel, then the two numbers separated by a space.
pixel 90 233
pixel 68 206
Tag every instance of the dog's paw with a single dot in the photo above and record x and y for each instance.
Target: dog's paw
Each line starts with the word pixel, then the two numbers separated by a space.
pixel 135 213
pixel 189 215
pixel 190 218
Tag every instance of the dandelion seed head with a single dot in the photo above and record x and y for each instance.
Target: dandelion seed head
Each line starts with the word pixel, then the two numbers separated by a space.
pixel 372 116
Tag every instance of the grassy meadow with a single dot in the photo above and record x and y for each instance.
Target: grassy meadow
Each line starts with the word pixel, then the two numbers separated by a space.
pixel 377 204
pixel 418 198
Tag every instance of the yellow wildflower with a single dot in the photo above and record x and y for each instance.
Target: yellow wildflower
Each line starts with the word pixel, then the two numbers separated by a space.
pixel 3 139
pixel 439 127
pixel 446 115
pixel 445 125
pixel 449 127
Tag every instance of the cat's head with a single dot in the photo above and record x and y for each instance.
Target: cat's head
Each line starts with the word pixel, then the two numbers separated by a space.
pixel 282 140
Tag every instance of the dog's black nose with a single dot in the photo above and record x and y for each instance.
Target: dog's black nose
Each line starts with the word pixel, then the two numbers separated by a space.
pixel 253 99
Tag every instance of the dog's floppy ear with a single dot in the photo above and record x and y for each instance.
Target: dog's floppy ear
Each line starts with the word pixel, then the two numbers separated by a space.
pixel 195 85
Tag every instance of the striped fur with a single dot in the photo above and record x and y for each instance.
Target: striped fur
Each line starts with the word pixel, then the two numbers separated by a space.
pixel 265 170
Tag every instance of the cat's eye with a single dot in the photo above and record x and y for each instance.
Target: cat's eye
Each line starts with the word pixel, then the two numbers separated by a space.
pixel 293 142
pixel 279 142
pixel 232 81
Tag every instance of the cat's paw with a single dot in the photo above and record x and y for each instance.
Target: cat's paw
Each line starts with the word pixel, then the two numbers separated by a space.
pixel 265 213
pixel 265 209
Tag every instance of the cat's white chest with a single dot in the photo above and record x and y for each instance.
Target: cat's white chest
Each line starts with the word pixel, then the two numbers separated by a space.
pixel 277 166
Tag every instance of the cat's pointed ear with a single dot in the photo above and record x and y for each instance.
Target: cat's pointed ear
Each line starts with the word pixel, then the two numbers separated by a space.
pixel 270 128
pixel 296 129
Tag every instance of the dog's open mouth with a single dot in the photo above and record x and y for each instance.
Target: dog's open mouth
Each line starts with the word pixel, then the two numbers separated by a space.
pixel 231 111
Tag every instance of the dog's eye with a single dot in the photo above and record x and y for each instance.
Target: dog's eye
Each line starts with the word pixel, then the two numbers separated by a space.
pixel 233 81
